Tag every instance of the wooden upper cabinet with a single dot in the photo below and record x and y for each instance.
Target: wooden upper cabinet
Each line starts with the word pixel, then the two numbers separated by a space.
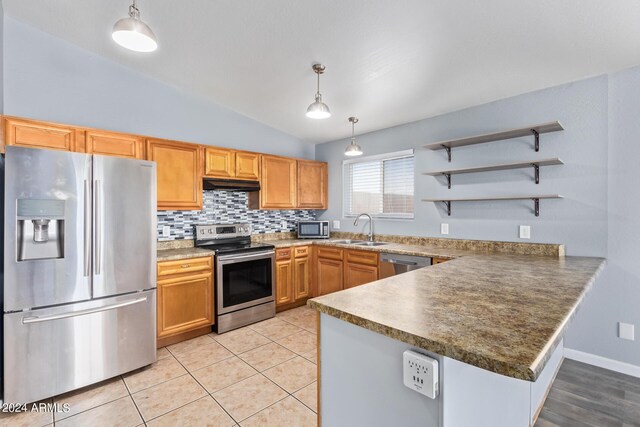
pixel 278 184
pixel 179 171
pixel 37 134
pixel 312 185
pixel 114 144
pixel 247 165
pixel 219 163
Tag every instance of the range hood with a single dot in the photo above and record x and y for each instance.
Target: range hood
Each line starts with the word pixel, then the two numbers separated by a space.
pixel 230 184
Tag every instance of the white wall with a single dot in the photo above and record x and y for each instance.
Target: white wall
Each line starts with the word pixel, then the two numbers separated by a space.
pixel 49 79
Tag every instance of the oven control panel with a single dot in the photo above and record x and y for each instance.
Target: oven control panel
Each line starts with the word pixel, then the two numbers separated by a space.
pixel 222 231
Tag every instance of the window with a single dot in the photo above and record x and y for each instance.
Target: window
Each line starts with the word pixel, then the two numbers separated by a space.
pixel 380 185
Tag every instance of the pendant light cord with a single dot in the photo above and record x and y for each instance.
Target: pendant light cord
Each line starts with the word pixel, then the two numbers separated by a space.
pixel 134 12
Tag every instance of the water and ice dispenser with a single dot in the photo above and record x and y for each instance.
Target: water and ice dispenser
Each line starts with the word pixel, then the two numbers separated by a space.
pixel 40 229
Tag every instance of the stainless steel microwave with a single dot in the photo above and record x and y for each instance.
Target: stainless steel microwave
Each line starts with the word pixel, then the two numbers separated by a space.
pixel 313 229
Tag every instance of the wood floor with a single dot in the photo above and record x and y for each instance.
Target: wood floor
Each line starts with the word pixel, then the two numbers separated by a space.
pixel 585 395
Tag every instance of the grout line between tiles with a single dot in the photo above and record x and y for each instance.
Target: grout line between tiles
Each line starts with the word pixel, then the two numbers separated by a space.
pixel 133 400
pixel 306 406
pixel 93 407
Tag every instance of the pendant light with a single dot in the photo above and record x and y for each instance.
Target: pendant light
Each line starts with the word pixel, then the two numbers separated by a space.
pixel 353 149
pixel 318 110
pixel 134 34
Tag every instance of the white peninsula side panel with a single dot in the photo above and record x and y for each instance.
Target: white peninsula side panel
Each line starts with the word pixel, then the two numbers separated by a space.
pixel 361 384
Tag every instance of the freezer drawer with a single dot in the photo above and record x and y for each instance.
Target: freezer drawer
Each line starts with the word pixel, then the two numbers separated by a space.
pixel 54 350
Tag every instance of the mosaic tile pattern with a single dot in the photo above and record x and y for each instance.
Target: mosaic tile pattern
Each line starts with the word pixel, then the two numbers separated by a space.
pixel 227 207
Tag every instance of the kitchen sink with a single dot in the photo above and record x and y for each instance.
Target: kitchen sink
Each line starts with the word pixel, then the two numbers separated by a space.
pixel 349 242
pixel 371 243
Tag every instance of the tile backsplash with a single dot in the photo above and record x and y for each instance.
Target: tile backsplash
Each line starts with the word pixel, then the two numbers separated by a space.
pixel 227 207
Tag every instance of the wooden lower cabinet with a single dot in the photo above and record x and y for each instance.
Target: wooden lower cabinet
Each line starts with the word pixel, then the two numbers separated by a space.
pixel 358 274
pixel 329 275
pixel 301 278
pixel 435 261
pixel 293 275
pixel 284 282
pixel 185 299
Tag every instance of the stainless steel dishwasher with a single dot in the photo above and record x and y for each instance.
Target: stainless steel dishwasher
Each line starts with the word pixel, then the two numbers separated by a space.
pixel 392 264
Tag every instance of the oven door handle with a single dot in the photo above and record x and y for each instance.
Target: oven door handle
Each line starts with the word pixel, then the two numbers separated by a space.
pixel 229 259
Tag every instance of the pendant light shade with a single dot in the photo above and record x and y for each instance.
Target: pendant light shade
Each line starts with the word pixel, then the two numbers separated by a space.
pixel 134 34
pixel 353 149
pixel 318 109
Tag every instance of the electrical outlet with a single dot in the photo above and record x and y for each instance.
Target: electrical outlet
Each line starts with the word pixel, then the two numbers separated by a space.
pixel 283 224
pixel 420 373
pixel 525 231
pixel 626 331
pixel 336 224
pixel 166 231
pixel 444 228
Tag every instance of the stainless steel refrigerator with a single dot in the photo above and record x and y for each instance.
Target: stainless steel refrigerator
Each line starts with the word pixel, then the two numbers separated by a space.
pixel 79 270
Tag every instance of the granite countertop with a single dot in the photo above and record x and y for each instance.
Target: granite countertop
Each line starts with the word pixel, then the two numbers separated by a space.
pixel 182 253
pixel 503 313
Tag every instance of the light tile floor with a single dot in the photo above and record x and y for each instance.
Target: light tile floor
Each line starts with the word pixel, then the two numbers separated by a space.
pixel 260 375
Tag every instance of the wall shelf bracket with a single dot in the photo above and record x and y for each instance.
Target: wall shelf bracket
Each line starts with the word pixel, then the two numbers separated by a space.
pixel 536 134
pixel 536 171
pixel 536 206
pixel 448 175
pixel 447 203
pixel 448 149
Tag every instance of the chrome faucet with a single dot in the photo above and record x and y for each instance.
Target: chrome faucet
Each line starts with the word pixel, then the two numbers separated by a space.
pixel 370 224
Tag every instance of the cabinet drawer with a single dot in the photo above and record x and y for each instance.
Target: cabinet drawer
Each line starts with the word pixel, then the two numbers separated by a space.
pixel 181 266
pixel 330 253
pixel 283 253
pixel 362 257
pixel 300 251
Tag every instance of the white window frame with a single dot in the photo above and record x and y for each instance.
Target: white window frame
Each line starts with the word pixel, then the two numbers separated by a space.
pixel 386 156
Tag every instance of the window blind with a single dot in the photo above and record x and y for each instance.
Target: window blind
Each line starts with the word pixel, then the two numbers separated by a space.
pixel 382 186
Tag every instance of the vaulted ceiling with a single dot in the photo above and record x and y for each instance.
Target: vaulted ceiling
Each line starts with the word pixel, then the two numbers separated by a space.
pixel 388 62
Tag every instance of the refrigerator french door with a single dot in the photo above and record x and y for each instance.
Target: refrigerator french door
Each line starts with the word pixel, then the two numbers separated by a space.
pixel 79 270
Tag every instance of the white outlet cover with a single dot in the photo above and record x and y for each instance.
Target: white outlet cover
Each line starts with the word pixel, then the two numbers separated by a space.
pixel 283 224
pixel 420 373
pixel 336 224
pixel 166 231
pixel 626 331
pixel 525 231
pixel 444 228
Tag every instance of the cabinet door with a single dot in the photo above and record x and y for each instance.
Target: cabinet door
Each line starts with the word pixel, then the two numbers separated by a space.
pixel 312 185
pixel 247 166
pixel 35 134
pixel 219 163
pixel 278 183
pixel 179 174
pixel 359 274
pixel 301 278
pixel 114 144
pixel 284 282
pixel 329 273
pixel 185 303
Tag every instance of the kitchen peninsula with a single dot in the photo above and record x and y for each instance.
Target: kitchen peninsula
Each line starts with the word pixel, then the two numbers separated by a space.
pixel 494 322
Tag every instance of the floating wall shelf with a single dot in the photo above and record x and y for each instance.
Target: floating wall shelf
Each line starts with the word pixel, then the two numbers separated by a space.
pixel 498 136
pixel 536 200
pixel 535 164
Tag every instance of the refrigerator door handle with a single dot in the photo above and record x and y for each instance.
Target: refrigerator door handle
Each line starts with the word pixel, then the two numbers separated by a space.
pixel 98 225
pixel 37 319
pixel 87 228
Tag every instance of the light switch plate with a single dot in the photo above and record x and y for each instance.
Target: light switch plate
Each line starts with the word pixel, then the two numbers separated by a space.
pixel 420 373
pixel 525 231
pixel 444 228
pixel 166 231
pixel 626 331
pixel 336 224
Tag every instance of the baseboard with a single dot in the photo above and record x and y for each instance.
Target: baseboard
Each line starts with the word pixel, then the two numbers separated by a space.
pixel 603 362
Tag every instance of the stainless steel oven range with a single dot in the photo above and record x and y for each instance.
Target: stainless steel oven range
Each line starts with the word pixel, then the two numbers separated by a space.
pixel 244 275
